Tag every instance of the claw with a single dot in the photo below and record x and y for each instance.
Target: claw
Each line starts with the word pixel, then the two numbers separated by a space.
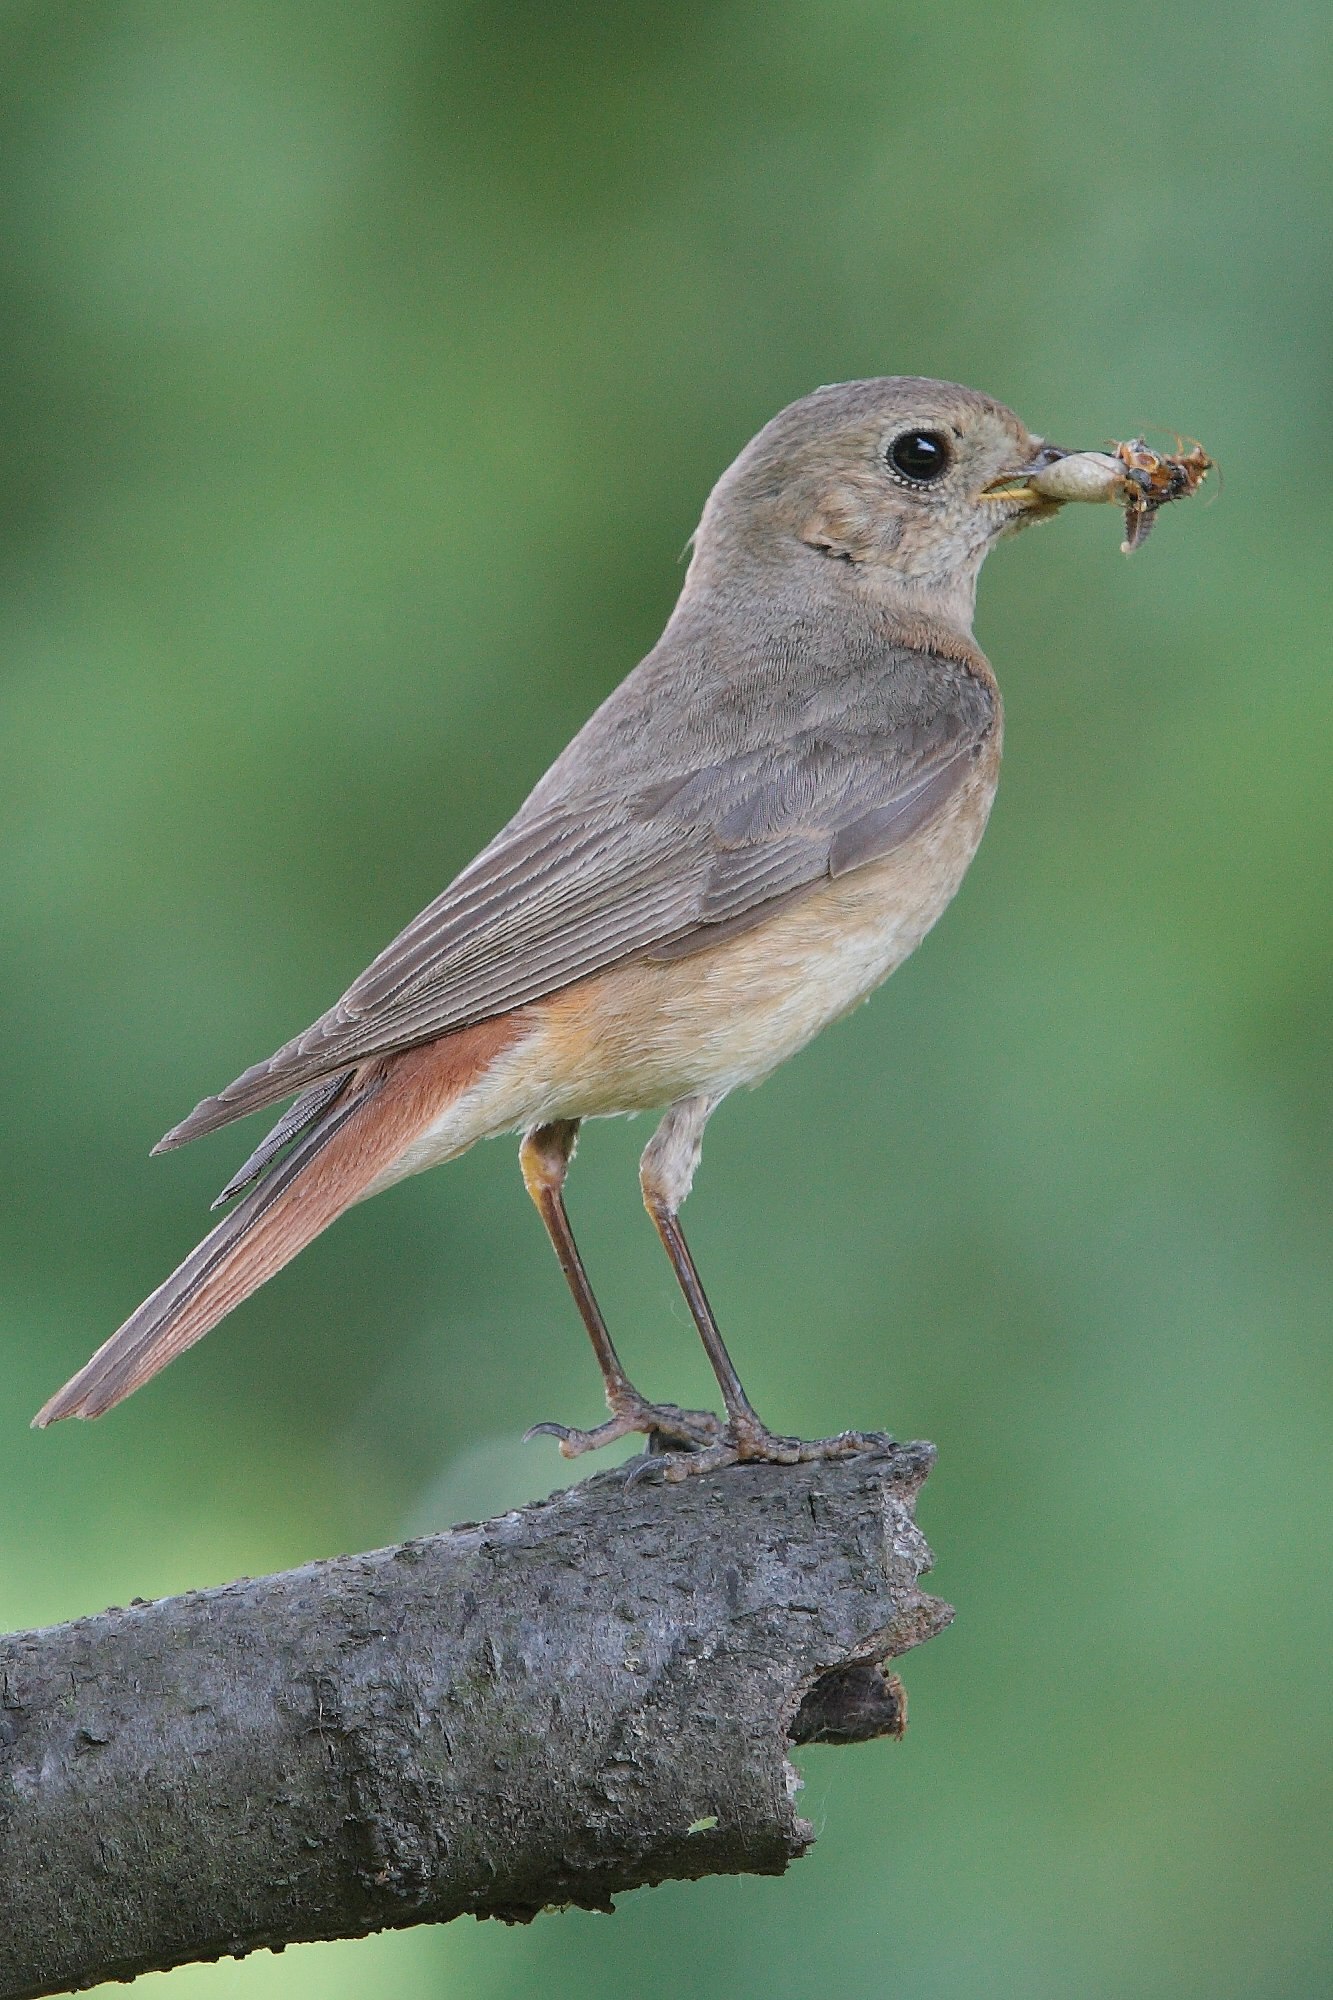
pixel 694 1430
pixel 653 1465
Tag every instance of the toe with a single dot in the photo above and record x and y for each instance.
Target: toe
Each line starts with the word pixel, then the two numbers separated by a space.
pixel 667 1429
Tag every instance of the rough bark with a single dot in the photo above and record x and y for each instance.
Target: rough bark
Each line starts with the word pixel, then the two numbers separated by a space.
pixel 569 1701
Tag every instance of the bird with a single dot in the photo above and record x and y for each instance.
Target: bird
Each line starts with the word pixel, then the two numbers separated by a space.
pixel 753 830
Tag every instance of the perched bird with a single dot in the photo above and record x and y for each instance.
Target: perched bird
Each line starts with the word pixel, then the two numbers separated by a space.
pixel 749 834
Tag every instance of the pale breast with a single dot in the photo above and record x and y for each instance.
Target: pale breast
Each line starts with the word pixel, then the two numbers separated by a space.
pixel 645 1034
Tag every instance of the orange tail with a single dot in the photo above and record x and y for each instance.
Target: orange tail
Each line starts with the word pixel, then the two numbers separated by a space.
pixel 363 1132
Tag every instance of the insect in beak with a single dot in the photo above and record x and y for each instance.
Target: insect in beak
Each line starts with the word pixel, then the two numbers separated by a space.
pixel 1131 475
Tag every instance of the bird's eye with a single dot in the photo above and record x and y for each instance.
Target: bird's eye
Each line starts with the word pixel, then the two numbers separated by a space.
pixel 919 458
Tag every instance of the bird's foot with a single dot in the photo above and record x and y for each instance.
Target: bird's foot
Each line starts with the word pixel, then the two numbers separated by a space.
pixel 671 1432
pixel 745 1441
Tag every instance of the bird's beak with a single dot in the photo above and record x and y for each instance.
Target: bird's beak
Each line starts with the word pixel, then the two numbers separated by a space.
pixel 1054 475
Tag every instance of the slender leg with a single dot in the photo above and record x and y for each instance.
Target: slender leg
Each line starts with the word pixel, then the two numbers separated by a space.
pixel 544 1157
pixel 665 1175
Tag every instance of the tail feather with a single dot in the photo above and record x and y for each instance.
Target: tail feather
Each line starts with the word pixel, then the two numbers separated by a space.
pixel 297 1118
pixel 360 1130
pixel 261 1234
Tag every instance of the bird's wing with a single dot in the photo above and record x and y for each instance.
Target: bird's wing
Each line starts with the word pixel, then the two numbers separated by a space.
pixel 574 886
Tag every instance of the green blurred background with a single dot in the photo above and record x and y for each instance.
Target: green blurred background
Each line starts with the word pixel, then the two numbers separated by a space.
pixel 364 369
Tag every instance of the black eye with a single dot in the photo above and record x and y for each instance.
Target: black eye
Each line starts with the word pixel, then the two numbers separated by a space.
pixel 920 457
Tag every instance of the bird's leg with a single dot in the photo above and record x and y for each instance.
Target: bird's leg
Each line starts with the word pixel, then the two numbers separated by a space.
pixel 544 1157
pixel 665 1175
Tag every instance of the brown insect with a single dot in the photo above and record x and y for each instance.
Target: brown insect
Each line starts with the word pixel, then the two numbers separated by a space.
pixel 1130 475
pixel 1152 478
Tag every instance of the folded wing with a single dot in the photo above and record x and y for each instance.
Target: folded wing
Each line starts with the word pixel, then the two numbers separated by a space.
pixel 586 880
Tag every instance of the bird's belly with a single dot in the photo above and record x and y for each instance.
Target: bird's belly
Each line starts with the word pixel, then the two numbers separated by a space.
pixel 730 1015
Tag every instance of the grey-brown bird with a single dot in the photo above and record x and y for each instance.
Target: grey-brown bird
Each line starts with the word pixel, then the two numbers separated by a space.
pixel 749 834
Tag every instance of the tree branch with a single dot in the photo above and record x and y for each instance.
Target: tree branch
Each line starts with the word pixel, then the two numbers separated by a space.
pixel 572 1700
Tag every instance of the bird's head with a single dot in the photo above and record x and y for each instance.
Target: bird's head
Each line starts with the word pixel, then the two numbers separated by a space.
pixel 901 483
